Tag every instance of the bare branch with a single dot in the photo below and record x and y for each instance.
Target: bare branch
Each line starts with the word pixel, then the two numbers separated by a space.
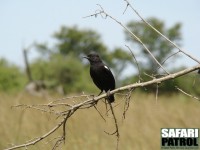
pixel 90 102
pixel 116 126
pixel 131 33
pixel 194 97
pixel 135 61
pixel 126 8
pixel 156 80
pixel 170 57
pixel 181 50
pixel 127 101
pixel 100 113
pixel 39 138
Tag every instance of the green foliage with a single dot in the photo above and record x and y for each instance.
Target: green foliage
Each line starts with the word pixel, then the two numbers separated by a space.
pixel 63 64
pixel 79 42
pixel 43 50
pixel 11 78
pixel 59 70
pixel 76 41
pixel 159 47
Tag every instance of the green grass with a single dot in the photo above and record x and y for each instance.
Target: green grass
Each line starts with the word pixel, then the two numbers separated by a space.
pixel 85 129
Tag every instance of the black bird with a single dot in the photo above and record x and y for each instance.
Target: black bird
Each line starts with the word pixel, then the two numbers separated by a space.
pixel 101 75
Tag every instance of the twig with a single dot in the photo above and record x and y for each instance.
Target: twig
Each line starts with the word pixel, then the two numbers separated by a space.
pixel 168 58
pixel 39 138
pixel 90 102
pixel 181 50
pixel 156 80
pixel 66 98
pixel 116 126
pixel 194 97
pixel 58 143
pixel 150 76
pixel 126 8
pixel 70 112
pixel 30 106
pixel 101 11
pixel 127 101
pixel 136 62
pixel 99 113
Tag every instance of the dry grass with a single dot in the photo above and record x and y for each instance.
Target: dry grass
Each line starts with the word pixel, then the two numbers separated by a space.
pixel 85 130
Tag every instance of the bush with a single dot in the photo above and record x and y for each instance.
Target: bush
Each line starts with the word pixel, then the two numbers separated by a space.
pixel 11 78
pixel 65 71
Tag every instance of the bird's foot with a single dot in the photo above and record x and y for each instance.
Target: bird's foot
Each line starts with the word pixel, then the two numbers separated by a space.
pixel 100 92
pixel 95 102
pixel 108 93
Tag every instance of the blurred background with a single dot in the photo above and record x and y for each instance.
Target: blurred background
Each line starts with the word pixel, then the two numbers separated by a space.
pixel 42 44
pixel 55 34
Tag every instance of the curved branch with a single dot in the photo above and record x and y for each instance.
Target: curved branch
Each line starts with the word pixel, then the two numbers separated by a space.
pixel 181 50
pixel 158 80
pixel 92 101
pixel 102 12
pixel 39 138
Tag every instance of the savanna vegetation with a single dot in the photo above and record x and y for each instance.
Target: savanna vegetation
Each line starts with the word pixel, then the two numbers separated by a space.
pixel 62 65
pixel 85 130
pixel 54 63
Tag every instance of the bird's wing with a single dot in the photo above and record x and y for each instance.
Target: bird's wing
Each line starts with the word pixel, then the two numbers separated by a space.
pixel 103 77
pixel 109 77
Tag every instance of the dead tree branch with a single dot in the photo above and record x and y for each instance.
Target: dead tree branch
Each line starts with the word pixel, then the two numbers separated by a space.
pixel 157 80
pixel 175 45
pixel 127 101
pixel 39 138
pixel 139 74
pixel 194 97
pixel 116 126
pixel 92 101
pixel 89 101
pixel 104 14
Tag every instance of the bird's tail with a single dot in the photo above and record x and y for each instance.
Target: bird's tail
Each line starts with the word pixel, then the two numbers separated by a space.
pixel 111 98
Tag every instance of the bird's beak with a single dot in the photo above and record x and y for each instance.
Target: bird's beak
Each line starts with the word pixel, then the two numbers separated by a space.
pixel 86 57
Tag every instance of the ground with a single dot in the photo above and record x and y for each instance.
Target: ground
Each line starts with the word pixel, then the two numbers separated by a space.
pixel 85 129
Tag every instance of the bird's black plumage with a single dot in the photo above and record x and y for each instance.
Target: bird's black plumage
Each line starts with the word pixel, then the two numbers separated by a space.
pixel 101 75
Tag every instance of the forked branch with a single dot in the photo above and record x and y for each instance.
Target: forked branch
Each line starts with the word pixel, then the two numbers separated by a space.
pixel 166 38
pixel 92 101
pixel 104 14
